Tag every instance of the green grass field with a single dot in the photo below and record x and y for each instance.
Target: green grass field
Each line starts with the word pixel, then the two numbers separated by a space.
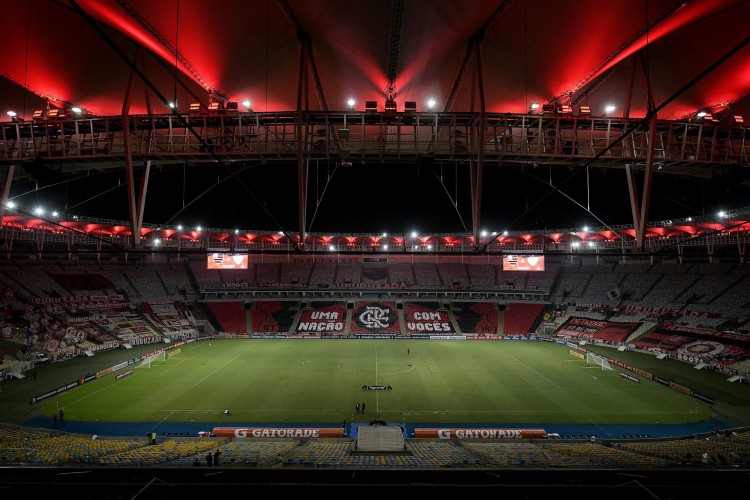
pixel 313 381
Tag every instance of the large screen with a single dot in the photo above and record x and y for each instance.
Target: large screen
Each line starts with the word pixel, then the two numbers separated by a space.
pixel 227 261
pixel 523 262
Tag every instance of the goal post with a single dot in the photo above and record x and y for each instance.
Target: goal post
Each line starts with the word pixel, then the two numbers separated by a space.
pixel 596 359
pixel 159 356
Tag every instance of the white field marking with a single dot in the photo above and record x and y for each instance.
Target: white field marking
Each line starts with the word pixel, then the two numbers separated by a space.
pixel 377 396
pixel 165 418
pixel 533 370
pixel 216 370
pixel 424 358
pixel 177 362
pixel 396 372
pixel 416 412
pixel 376 364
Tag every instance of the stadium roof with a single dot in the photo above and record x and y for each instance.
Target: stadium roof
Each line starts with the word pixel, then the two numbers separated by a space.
pixel 692 56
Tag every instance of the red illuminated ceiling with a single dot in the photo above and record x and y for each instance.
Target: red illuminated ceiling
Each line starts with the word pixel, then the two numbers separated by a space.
pixel 531 51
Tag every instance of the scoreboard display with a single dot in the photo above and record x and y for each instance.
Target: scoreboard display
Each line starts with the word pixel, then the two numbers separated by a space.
pixel 227 261
pixel 523 262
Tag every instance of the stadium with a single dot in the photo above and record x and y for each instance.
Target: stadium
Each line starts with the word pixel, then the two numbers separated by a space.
pixel 400 246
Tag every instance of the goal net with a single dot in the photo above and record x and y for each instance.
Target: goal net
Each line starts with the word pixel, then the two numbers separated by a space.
pixel 159 356
pixel 595 359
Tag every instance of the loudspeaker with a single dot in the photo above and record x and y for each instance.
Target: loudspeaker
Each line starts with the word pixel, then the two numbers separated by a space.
pixel 399 304
pixel 247 305
pixel 350 304
pixel 501 307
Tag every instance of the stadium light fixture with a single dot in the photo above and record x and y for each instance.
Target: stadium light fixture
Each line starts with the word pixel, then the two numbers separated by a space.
pixel 431 105
pixel 585 110
pixel 38 115
pixel 76 110
pixel 410 106
pixel 609 109
pixel 534 106
pixel 247 105
pixel 738 119
pixel 351 102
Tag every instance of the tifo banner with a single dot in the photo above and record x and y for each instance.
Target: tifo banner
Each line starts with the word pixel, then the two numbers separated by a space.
pixel 323 317
pixel 278 432
pixel 590 329
pixel 658 311
pixel 694 344
pixel 480 433
pixel 426 318
pixel 375 317
pixel 479 317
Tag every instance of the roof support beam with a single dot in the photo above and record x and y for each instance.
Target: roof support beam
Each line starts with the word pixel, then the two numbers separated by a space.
pixel 476 177
pixel 135 209
pixel 148 28
pixel 301 171
pixel 397 15
pixel 474 39
pixel 640 216
pixel 599 73
pixel 6 189
pixel 648 178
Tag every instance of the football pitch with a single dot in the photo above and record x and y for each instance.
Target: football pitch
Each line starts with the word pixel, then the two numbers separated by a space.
pixel 410 381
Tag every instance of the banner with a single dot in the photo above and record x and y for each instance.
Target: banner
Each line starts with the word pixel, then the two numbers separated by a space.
pixel 480 433
pixel 590 329
pixel 278 432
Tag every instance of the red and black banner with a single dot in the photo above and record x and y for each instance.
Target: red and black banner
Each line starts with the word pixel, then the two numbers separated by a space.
pixel 594 329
